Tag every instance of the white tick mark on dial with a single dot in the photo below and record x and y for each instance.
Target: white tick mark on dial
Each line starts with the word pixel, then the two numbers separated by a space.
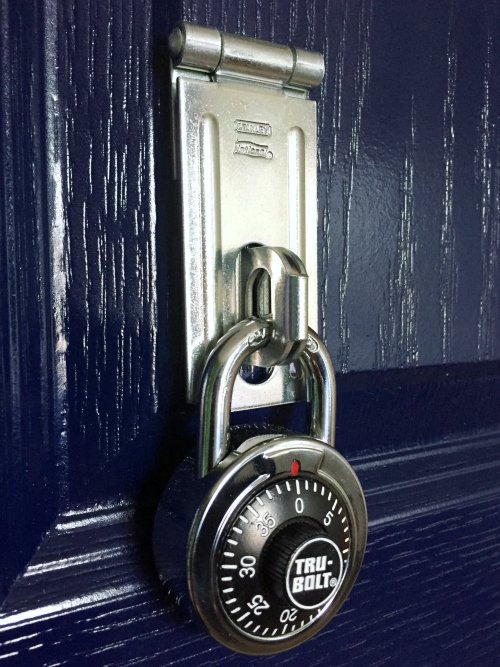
pixel 242 618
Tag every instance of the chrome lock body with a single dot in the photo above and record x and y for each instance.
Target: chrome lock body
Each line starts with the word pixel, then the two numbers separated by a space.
pixel 265 540
pixel 279 536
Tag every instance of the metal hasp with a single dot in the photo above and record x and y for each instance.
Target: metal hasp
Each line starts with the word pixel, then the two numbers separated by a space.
pixel 245 159
pixel 276 291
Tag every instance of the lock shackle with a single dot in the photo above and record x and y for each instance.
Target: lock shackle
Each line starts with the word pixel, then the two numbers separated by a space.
pixel 321 390
pixel 219 376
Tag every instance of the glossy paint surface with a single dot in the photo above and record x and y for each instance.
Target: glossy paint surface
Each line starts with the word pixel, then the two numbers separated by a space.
pixel 92 414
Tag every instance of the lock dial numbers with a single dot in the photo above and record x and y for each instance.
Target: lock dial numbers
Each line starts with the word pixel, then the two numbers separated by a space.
pixel 284 557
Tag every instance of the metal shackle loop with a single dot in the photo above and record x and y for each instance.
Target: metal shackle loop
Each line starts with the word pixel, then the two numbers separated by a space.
pixel 219 376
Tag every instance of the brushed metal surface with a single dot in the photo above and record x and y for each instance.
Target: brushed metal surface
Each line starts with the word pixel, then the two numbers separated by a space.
pixel 248 176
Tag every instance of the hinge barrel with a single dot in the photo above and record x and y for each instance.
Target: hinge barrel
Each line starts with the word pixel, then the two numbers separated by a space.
pixel 217 53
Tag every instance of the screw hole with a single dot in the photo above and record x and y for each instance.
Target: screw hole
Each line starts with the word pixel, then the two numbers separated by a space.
pixel 255 374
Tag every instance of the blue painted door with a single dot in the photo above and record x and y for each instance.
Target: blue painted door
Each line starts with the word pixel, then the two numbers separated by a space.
pixel 92 411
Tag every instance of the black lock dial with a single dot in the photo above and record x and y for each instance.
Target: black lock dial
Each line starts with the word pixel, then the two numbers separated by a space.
pixel 284 557
pixel 276 543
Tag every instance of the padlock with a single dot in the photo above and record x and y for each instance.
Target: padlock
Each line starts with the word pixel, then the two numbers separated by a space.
pixel 278 526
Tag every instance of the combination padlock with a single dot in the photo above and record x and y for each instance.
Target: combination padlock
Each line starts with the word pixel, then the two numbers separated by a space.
pixel 278 527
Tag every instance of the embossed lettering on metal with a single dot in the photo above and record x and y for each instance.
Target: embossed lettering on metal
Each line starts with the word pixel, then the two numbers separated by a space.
pixel 249 127
pixel 252 150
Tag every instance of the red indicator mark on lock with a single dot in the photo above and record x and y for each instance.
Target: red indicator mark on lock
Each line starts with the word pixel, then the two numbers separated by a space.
pixel 295 467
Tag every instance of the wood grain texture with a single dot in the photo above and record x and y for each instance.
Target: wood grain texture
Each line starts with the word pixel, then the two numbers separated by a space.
pixel 488 174
pixel 407 156
pixel 408 275
pixel 27 459
pixel 448 269
pixel 92 411
pixel 408 271
pixel 108 184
